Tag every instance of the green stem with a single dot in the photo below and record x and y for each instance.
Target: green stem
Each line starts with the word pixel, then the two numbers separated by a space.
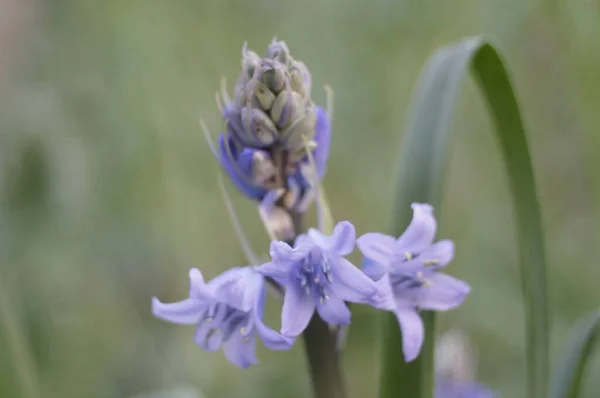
pixel 320 346
pixel 325 371
pixel 17 346
pixel 419 369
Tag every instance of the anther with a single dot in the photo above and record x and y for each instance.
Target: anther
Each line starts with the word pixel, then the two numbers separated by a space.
pixel 431 262
pixel 408 255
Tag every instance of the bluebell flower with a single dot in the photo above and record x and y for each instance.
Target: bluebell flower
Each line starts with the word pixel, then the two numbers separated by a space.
pixel 271 123
pixel 406 270
pixel 316 275
pixel 228 312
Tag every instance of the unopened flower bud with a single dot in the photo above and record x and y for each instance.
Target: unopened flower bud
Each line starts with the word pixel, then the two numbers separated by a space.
pixel 258 93
pixel 288 104
pixel 260 130
pixel 300 79
pixel 272 74
pixel 301 130
pixel 279 51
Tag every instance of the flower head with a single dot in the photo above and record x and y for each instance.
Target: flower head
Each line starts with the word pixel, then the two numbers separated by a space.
pixel 406 270
pixel 228 312
pixel 271 124
pixel 316 275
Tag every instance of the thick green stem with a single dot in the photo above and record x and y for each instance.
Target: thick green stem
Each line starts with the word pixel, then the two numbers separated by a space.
pixel 320 346
pixel 323 361
pixel 419 369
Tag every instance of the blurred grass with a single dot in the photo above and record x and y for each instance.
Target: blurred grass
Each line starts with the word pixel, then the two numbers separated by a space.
pixel 109 195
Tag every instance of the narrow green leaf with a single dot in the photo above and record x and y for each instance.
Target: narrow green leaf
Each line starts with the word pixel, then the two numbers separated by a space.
pixel 422 169
pixel 570 369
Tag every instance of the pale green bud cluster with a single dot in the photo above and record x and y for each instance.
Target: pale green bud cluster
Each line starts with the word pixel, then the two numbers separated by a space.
pixel 272 102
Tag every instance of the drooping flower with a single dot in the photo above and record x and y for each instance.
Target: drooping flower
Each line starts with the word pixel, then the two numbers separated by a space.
pixel 406 270
pixel 316 275
pixel 271 123
pixel 228 312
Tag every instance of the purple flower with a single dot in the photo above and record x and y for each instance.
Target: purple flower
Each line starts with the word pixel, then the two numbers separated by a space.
pixel 228 312
pixel 406 272
pixel 316 275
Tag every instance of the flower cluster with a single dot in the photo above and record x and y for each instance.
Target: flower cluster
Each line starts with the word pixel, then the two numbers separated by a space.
pixel 399 275
pixel 271 124
pixel 274 150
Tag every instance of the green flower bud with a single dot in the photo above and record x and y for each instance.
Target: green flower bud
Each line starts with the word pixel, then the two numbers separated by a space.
pixel 272 74
pixel 258 128
pixel 279 51
pixel 303 128
pixel 288 104
pixel 257 93
pixel 300 79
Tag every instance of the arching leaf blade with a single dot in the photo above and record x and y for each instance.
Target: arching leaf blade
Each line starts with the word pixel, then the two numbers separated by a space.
pixel 422 169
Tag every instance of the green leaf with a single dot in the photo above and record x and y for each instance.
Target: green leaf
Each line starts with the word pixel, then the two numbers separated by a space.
pixel 571 368
pixel 422 169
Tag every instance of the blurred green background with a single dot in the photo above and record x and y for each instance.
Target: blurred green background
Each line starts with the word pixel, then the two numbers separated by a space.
pixel 108 190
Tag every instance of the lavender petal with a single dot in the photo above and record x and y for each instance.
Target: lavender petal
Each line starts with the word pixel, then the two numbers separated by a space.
pixel 298 308
pixel 349 283
pixel 412 331
pixel 442 293
pixel 334 311
pixel 185 312
pixel 241 350
pixel 420 232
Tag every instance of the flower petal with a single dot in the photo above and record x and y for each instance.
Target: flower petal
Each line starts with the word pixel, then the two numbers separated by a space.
pixel 384 298
pixel 376 247
pixel 298 308
pixel 435 256
pixel 341 242
pixel 271 339
pixel 278 272
pixel 229 164
pixel 373 270
pixel 334 311
pixel 198 288
pixel 412 331
pixel 237 287
pixel 349 283
pixel 185 312
pixel 209 336
pixel 443 292
pixel 282 254
pixel 240 350
pixel 420 232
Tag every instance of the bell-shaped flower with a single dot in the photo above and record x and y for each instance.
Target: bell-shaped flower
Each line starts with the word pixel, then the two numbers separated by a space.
pixel 406 270
pixel 316 275
pixel 228 312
